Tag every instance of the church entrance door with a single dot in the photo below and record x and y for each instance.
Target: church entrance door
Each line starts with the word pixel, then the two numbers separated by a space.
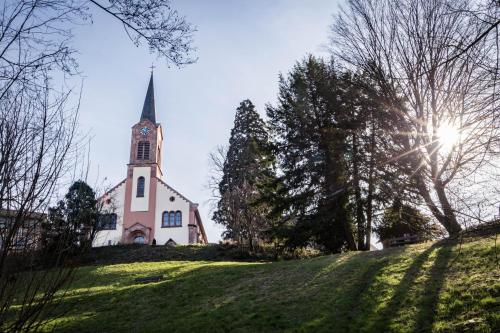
pixel 139 239
pixel 137 234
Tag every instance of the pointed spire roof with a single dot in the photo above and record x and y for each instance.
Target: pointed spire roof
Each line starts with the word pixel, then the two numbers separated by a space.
pixel 148 110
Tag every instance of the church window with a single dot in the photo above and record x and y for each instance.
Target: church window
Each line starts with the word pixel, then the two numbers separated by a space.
pixel 172 199
pixel 140 187
pixel 164 220
pixel 171 219
pixel 140 151
pixel 107 222
pixel 143 150
pixel 178 219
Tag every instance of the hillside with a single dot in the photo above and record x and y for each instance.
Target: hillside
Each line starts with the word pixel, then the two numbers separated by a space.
pixel 122 254
pixel 441 287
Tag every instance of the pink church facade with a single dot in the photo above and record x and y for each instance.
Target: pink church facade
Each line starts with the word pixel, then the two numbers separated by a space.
pixel 143 207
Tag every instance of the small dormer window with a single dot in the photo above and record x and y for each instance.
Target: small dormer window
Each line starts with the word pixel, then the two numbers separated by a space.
pixel 143 150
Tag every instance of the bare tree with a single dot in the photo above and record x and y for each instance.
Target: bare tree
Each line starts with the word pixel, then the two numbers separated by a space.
pixel 486 12
pixel 154 22
pixel 446 106
pixel 243 215
pixel 37 34
pixel 216 160
pixel 233 201
pixel 38 129
pixel 36 135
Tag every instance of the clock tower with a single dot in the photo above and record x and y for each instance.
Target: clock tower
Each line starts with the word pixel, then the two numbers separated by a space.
pixel 143 208
pixel 143 170
pixel 147 136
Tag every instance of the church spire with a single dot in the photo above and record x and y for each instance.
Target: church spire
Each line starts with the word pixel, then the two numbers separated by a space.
pixel 148 110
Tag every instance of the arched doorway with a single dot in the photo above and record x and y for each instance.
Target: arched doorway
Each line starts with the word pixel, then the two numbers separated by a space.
pixel 137 234
pixel 139 238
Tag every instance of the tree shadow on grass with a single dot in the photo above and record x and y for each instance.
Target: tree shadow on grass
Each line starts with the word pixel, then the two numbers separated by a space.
pixel 266 297
pixel 351 304
pixel 326 294
pixel 319 300
pixel 429 300
pixel 411 293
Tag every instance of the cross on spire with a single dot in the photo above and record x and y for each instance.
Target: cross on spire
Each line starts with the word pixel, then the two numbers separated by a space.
pixel 152 67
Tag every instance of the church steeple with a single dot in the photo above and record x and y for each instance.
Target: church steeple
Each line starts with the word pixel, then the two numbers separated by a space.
pixel 148 110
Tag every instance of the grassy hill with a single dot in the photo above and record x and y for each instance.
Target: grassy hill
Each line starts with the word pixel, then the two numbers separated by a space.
pixel 441 287
pixel 122 254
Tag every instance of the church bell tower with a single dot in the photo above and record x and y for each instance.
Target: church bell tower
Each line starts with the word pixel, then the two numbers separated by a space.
pixel 143 171
pixel 147 135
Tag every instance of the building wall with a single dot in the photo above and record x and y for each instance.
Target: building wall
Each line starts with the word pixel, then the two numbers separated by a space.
pixel 113 237
pixel 179 234
pixel 140 204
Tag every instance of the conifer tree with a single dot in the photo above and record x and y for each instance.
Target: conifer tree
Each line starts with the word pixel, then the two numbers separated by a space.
pixel 373 179
pixel 247 167
pixel 309 126
pixel 74 220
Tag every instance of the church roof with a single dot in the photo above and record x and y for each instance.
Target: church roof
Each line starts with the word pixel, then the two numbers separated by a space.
pixel 148 110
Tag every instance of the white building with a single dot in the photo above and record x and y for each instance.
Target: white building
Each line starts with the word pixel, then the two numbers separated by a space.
pixel 143 207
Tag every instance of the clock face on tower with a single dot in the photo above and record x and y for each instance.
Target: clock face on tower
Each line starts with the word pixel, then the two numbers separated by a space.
pixel 144 131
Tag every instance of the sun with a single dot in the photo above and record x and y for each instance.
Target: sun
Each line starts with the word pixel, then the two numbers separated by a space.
pixel 448 136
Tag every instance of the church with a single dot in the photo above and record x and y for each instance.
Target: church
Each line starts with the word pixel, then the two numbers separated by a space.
pixel 143 208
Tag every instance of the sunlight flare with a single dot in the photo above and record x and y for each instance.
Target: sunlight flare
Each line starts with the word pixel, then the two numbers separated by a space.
pixel 448 136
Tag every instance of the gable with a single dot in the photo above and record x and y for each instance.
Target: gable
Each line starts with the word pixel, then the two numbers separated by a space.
pixel 174 192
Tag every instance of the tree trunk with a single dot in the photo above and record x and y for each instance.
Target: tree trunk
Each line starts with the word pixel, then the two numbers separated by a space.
pixel 449 219
pixel 448 222
pixel 360 216
pixel 348 234
pixel 371 188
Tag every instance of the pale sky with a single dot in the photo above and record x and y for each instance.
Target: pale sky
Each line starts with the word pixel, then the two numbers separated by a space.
pixel 242 48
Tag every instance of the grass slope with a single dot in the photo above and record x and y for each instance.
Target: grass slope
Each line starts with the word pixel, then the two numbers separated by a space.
pixel 427 287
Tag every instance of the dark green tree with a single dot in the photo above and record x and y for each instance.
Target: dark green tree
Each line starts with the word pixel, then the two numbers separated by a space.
pixel 247 167
pixel 74 221
pixel 373 178
pixel 331 133
pixel 309 127
pixel 402 219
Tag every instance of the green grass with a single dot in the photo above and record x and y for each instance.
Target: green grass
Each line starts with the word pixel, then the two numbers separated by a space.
pixel 427 287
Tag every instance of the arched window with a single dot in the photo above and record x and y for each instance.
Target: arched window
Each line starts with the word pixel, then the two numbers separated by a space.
pixel 143 150
pixel 140 187
pixel 164 220
pixel 171 218
pixel 178 219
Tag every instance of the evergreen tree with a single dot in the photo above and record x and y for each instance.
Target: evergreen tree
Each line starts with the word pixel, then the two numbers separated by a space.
pixel 402 219
pixel 330 131
pixel 74 221
pixel 372 177
pixel 247 167
pixel 309 127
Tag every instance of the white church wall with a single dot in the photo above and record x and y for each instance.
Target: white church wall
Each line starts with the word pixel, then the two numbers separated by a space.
pixel 140 204
pixel 179 234
pixel 113 237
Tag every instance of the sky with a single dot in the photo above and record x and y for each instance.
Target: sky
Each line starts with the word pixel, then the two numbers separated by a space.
pixel 242 48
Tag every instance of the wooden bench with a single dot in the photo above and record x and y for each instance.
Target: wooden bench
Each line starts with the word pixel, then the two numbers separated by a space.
pixel 401 241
